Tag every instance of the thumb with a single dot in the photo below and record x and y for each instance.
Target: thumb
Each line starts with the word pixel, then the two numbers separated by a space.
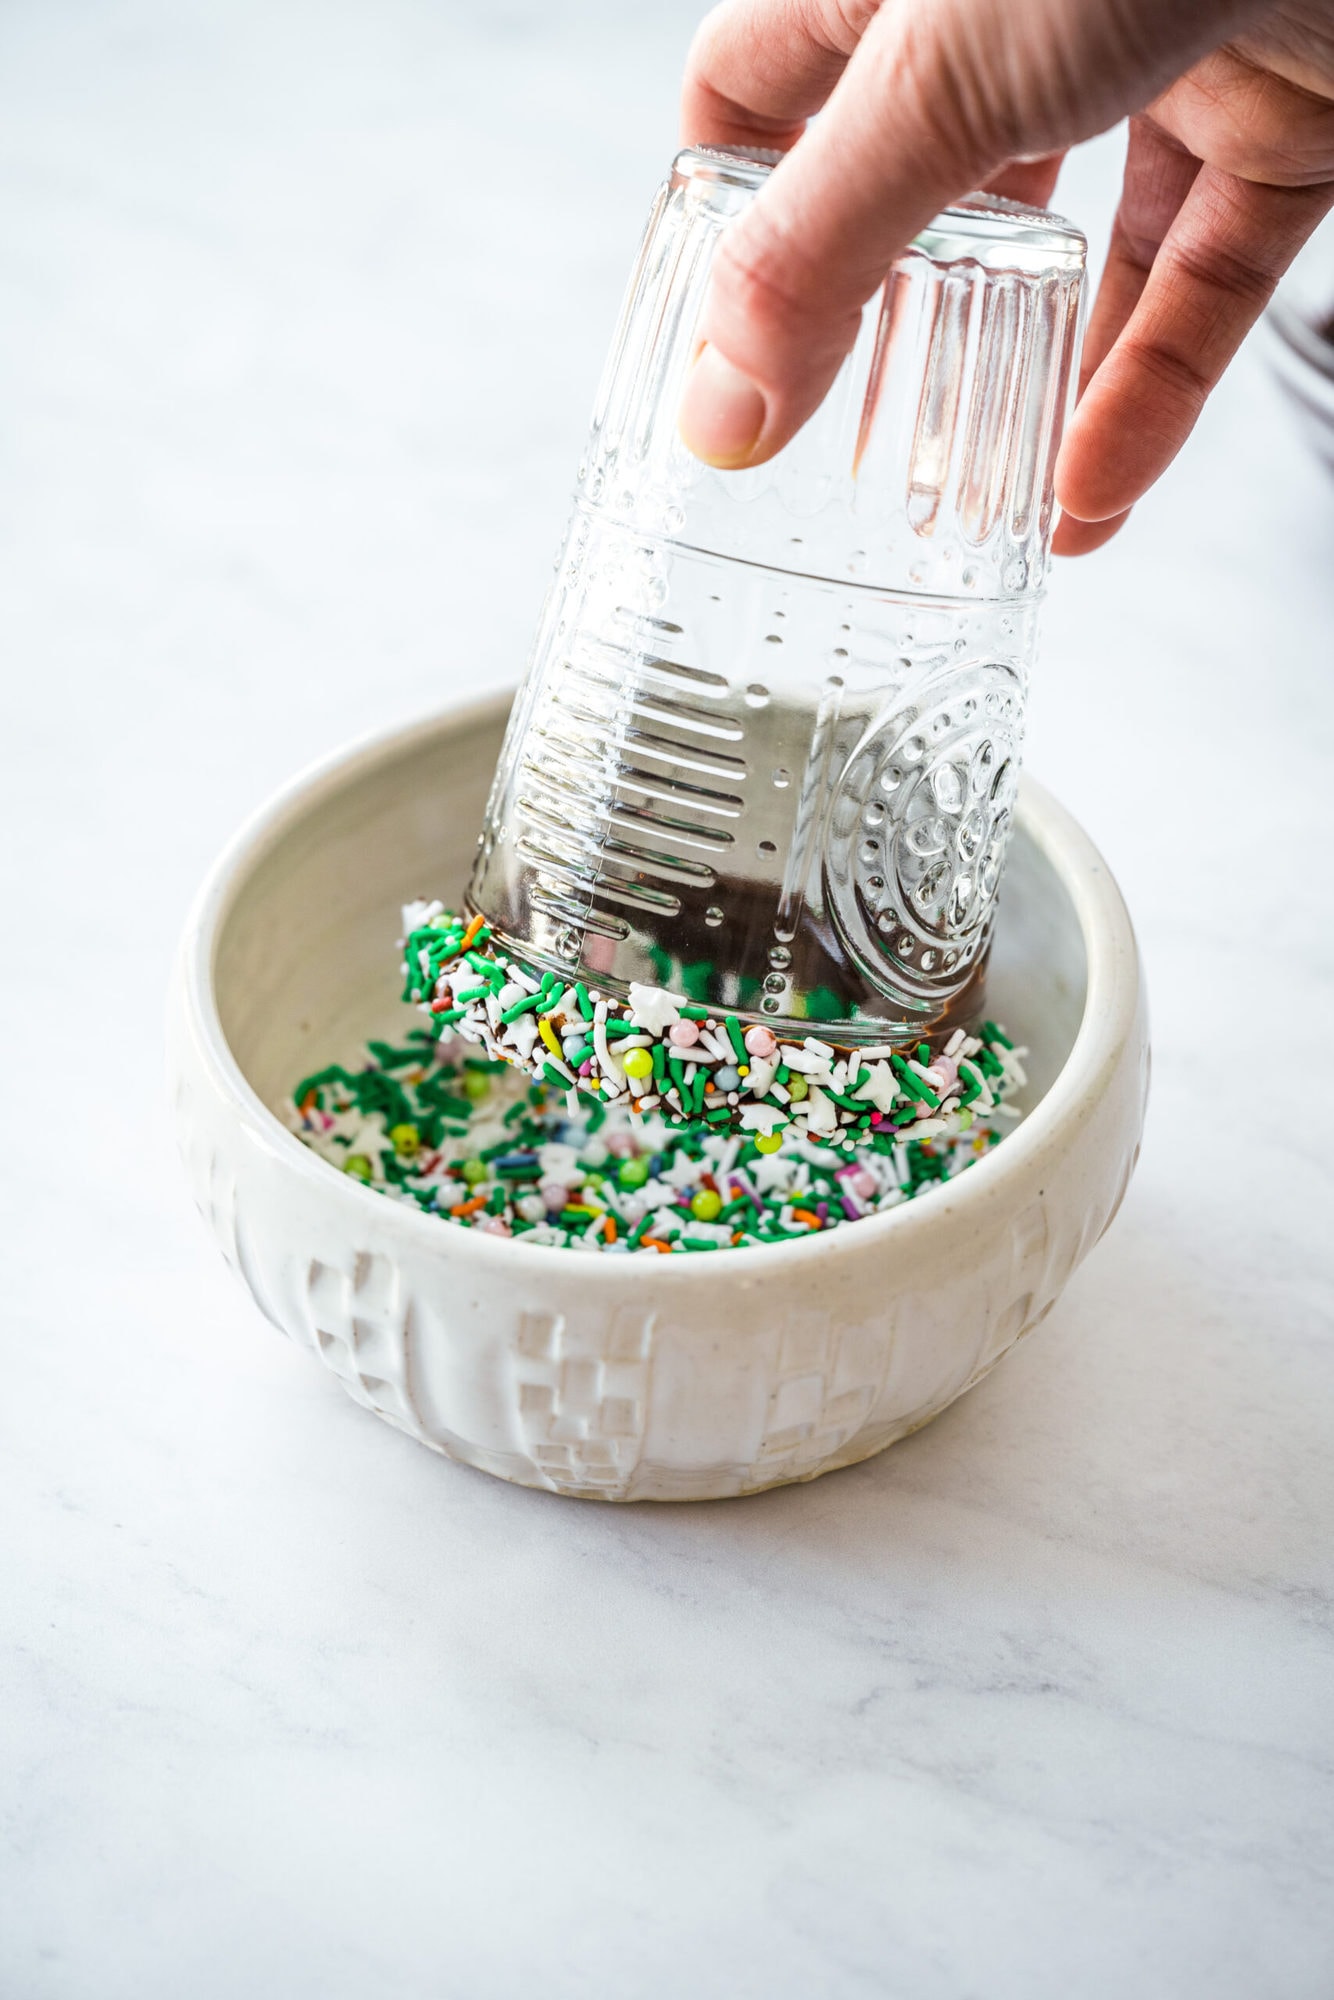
pixel 791 275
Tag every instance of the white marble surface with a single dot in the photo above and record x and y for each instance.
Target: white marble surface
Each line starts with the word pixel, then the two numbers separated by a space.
pixel 302 312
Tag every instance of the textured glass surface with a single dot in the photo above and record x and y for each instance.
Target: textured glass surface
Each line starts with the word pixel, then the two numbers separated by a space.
pixel 767 747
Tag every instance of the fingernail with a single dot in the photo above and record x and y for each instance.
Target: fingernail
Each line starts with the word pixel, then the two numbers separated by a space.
pixel 722 412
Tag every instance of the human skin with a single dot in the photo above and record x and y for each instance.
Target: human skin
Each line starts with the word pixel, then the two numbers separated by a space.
pixel 1229 167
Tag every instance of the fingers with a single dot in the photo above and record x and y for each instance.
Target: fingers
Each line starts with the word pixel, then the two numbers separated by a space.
pixel 1158 176
pixel 1080 538
pixel 934 98
pixel 1209 281
pixel 757 69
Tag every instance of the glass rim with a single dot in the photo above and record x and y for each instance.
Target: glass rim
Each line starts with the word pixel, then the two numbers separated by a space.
pixel 975 220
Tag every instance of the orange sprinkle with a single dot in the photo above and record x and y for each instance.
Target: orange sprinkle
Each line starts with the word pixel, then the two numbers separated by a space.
pixel 655 1243
pixel 471 932
pixel 609 1228
pixel 310 1098
pixel 806 1215
pixel 469 1207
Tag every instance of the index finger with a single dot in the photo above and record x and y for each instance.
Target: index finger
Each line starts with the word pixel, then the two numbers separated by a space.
pixel 757 69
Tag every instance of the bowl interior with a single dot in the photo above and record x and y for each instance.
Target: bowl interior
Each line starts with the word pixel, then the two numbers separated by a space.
pixel 304 965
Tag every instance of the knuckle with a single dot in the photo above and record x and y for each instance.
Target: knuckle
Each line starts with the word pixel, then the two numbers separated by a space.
pixel 761 281
pixel 1213 267
pixel 1181 386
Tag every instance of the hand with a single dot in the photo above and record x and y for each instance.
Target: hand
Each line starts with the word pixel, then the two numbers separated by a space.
pixel 1229 168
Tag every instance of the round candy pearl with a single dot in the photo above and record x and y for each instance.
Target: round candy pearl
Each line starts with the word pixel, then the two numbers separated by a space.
pixel 726 1077
pixel 474 1171
pixel 555 1194
pixel 637 1062
pixel 683 1034
pixel 706 1205
pixel 632 1173
pixel 493 1225
pixel 476 1085
pixel 862 1183
pixel 768 1142
pixel 761 1042
pixel 797 1087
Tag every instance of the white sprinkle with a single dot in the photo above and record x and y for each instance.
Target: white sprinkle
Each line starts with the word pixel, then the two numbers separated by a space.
pixel 808 1063
pixel 607 1062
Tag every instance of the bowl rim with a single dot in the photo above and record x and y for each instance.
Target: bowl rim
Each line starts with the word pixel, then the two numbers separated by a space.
pixel 1111 1002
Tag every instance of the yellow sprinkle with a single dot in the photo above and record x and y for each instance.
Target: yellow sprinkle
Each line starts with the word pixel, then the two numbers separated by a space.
pixel 548 1034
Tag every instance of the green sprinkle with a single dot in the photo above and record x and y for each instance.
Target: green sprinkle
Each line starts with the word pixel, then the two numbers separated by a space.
pixel 736 1038
pixel 524 1006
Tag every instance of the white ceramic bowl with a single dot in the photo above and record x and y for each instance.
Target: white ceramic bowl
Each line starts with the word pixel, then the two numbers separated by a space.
pixel 624 1378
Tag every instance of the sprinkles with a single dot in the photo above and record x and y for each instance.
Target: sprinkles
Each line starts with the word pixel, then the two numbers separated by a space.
pixel 656 1054
pixel 474 1143
pixel 615 1130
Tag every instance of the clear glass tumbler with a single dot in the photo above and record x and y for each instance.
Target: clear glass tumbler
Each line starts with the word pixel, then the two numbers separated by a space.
pixel 766 750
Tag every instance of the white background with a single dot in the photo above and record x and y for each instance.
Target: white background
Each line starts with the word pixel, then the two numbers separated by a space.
pixel 303 307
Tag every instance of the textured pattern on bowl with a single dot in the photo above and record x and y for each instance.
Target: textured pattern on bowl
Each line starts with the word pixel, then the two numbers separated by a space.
pixel 624 1378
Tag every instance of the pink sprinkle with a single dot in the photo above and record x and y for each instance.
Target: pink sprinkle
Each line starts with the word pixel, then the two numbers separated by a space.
pixel 683 1034
pixel 877 1117
pixel 761 1042
pixel 585 1067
